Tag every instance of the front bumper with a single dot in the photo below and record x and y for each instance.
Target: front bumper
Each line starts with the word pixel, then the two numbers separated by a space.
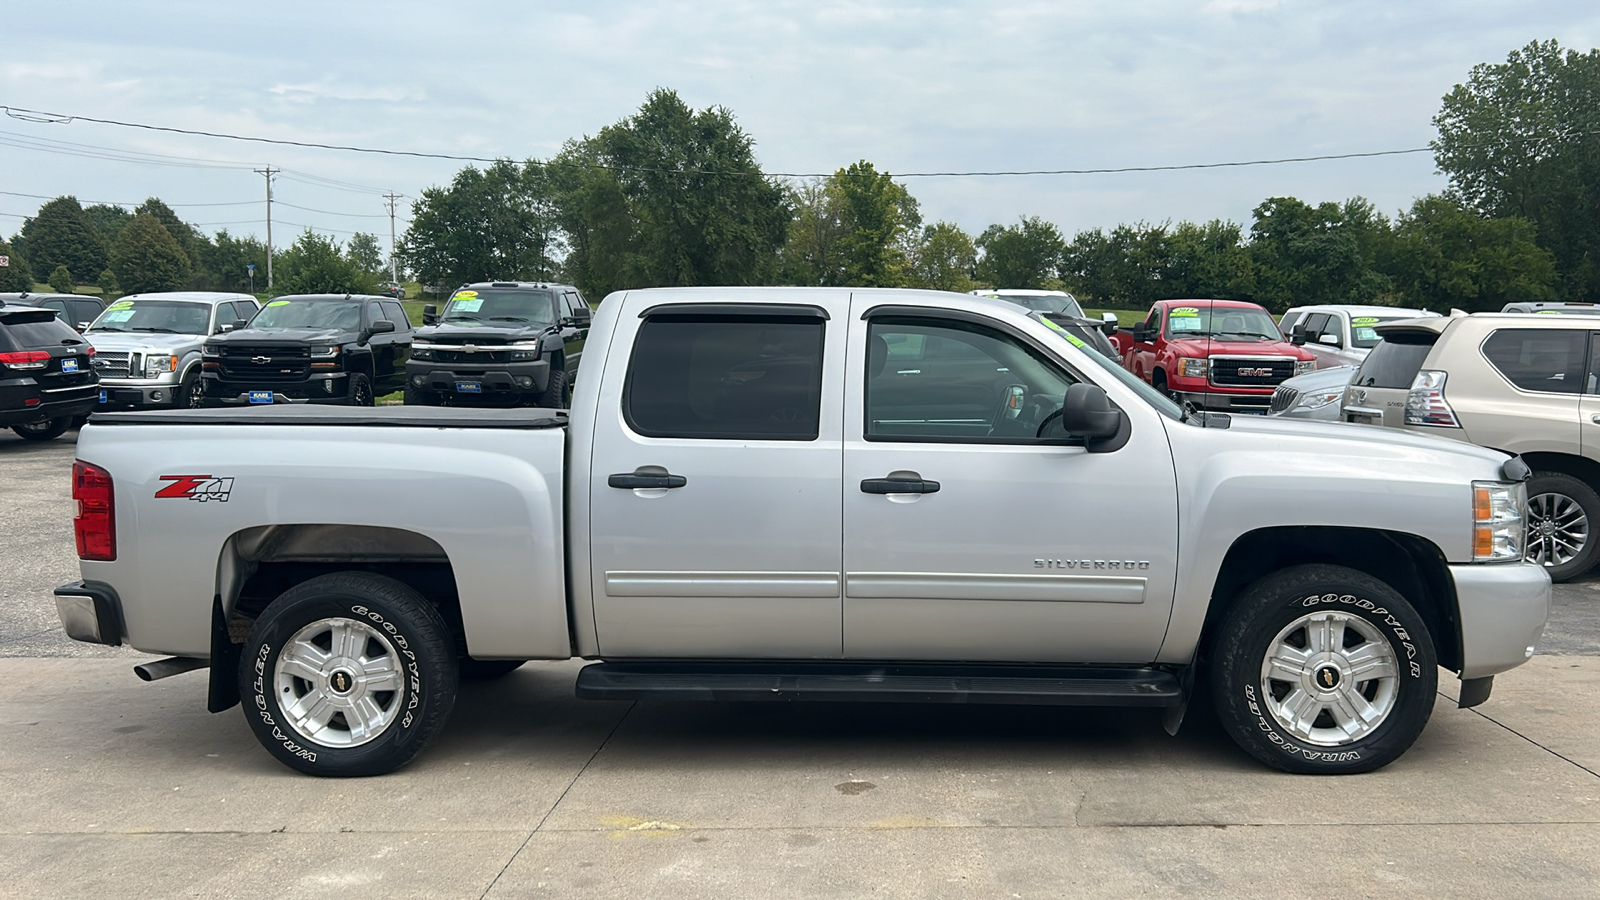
pixel 90 611
pixel 126 394
pixel 327 387
pixel 1503 608
pixel 1218 401
pixel 495 381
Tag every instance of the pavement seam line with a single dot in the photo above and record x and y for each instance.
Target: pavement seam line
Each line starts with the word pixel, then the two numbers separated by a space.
pixel 551 811
pixel 1497 722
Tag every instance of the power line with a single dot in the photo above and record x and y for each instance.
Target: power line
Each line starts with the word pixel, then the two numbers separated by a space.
pixel 118 203
pixel 331 213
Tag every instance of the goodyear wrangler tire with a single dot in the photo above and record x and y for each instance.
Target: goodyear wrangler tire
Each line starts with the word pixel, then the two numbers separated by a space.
pixel 347 674
pixel 1320 669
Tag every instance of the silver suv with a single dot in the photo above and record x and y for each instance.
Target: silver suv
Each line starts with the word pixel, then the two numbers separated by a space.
pixel 147 346
pixel 1522 384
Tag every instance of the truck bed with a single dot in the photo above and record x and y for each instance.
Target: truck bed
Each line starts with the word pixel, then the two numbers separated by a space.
pixel 378 417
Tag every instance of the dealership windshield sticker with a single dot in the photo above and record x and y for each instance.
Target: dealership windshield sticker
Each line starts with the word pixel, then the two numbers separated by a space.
pixel 1185 312
pixel 1364 320
pixel 196 487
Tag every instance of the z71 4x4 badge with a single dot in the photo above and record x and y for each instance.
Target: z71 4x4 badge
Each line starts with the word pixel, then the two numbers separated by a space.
pixel 196 487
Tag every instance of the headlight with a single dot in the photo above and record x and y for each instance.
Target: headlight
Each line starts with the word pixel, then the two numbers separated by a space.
pixel 1498 529
pixel 522 351
pixel 328 352
pixel 159 364
pixel 1319 399
pixel 211 350
pixel 421 353
pixel 1302 366
pixel 1193 368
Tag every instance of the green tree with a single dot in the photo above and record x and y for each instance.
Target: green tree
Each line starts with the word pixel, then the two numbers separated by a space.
pixel 668 196
pixel 224 262
pixel 1448 256
pixel 879 223
pixel 17 276
pixel 1209 261
pixel 1522 139
pixel 1327 253
pixel 60 235
pixel 810 254
pixel 61 280
pixel 364 250
pixel 147 258
pixel 495 223
pixel 944 259
pixel 108 220
pixel 315 265
pixel 1026 255
pixel 109 287
pixel 187 236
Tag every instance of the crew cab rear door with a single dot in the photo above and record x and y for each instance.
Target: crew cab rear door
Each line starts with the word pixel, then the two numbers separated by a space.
pixel 714 494
pixel 967 537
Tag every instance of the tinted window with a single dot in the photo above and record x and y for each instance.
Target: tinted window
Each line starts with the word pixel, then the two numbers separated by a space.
pixel 287 312
pixel 85 310
pixel 733 378
pixel 34 331
pixel 397 315
pixel 1317 325
pixel 943 380
pixel 500 305
pixel 1537 360
pixel 1395 361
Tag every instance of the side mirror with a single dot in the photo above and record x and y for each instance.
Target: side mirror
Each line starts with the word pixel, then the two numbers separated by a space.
pixel 224 329
pixel 382 327
pixel 1087 413
pixel 1141 333
pixel 1332 340
pixel 430 314
pixel 1108 323
pixel 1297 335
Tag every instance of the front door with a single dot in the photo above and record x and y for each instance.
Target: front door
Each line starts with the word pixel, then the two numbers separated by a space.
pixel 970 537
pixel 715 495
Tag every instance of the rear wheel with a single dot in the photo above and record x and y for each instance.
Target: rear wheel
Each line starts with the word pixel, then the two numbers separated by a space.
pixel 347 674
pixel 44 429
pixel 1320 669
pixel 1563 515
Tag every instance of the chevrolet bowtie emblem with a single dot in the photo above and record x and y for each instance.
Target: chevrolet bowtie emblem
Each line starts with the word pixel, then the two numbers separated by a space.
pixel 261 360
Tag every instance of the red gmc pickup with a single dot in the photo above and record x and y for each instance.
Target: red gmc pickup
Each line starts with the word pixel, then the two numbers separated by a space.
pixel 1224 355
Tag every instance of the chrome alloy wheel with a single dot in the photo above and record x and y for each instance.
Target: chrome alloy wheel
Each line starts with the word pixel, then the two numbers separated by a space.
pixel 1558 530
pixel 1330 679
pixel 339 682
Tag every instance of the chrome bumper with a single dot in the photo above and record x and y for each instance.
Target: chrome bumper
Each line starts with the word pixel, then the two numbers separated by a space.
pixel 90 611
pixel 1503 610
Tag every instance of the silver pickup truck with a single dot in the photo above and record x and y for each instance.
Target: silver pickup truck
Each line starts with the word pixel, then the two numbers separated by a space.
pixel 809 494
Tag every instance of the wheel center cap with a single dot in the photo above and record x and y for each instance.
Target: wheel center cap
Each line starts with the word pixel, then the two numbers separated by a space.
pixel 341 682
pixel 1327 677
pixel 1548 527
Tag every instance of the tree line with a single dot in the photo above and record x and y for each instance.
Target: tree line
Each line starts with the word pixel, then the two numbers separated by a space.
pixel 673 196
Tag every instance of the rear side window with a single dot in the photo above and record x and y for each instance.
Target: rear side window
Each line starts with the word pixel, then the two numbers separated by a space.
pixel 1394 363
pixel 34 331
pixel 1549 361
pixel 726 377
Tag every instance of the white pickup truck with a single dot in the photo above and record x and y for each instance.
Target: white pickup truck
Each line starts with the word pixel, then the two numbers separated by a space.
pixel 809 494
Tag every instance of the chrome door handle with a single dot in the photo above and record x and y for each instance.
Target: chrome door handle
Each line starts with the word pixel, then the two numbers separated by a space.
pixel 1595 418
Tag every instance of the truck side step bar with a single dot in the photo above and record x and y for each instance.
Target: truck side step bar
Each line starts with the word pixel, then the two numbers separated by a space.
pixel 899 683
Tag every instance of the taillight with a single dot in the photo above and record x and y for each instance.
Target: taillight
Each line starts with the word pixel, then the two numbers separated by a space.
pixel 1425 405
pixel 95 525
pixel 25 359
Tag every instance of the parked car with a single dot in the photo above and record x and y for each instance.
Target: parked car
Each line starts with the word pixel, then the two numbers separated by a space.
pixel 46 380
pixel 1518 383
pixel 311 348
pixel 1062 310
pixel 1037 300
pixel 77 310
pixel 1554 309
pixel 148 345
pixel 1224 355
pixel 1340 335
pixel 792 493
pixel 500 343
pixel 1314 395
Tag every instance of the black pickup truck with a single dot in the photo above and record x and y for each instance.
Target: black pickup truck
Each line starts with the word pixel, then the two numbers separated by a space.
pixel 500 343
pixel 310 348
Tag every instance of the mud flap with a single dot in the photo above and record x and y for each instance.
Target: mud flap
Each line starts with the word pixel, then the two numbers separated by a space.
pixel 223 691
pixel 1172 719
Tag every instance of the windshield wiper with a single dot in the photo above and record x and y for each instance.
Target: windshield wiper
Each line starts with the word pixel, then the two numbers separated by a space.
pixel 1248 334
pixel 509 319
pixel 154 329
pixel 117 330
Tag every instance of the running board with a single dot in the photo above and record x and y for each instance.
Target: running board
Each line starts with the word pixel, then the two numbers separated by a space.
pixel 1058 686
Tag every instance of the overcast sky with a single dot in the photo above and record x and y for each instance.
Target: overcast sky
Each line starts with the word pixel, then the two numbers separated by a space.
pixel 930 86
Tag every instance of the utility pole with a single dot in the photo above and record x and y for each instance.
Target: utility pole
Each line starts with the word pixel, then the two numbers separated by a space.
pixel 269 171
pixel 394 263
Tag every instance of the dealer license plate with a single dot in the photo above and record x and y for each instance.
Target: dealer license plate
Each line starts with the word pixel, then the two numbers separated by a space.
pixel 102 396
pixel 469 387
pixel 260 396
pixel 70 364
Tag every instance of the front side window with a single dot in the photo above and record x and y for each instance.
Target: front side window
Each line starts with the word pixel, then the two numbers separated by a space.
pixel 1538 360
pixel 943 380
pixel 155 316
pixel 726 377
pixel 288 313
pixel 397 314
pixel 500 307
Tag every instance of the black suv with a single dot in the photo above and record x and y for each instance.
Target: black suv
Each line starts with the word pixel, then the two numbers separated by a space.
pixel 45 378
pixel 500 343
pixel 76 310
pixel 310 348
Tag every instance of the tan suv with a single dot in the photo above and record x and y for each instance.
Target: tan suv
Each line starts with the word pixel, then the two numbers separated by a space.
pixel 1523 384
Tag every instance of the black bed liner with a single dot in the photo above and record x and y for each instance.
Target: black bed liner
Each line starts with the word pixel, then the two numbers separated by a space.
pixel 305 414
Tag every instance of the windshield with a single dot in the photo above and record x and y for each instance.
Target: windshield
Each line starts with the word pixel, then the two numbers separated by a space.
pixel 1230 322
pixel 288 312
pixel 155 316
pixel 1363 330
pixel 1146 393
pixel 1065 304
pixel 516 306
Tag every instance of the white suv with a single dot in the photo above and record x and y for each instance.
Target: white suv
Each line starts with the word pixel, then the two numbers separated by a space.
pixel 1340 335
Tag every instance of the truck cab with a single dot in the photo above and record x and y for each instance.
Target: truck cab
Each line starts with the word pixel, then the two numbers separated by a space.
pixel 1222 355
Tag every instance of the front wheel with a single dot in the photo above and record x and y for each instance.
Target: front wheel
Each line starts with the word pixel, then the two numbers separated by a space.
pixel 347 674
pixel 1320 669
pixel 1563 513
pixel 191 393
pixel 360 390
pixel 44 429
pixel 555 393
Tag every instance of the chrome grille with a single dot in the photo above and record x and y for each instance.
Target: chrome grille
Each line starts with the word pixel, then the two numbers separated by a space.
pixel 114 363
pixel 1283 399
pixel 1266 372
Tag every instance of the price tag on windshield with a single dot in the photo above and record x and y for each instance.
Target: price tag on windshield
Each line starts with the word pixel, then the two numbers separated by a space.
pixel 472 304
pixel 118 315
